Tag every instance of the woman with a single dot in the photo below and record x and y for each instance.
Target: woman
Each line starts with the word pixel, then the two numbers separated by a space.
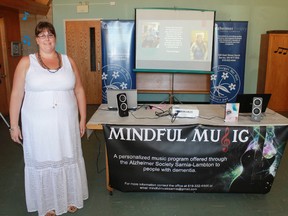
pixel 48 91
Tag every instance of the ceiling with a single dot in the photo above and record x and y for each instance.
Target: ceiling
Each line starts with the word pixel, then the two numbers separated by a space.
pixel 39 7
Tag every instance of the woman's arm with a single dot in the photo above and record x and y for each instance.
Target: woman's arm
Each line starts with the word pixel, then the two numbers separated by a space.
pixel 16 99
pixel 80 96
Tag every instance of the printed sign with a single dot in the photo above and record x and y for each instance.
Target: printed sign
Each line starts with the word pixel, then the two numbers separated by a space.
pixel 194 158
pixel 117 55
pixel 228 61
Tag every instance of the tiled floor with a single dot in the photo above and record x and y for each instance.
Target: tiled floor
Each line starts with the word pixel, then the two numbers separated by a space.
pixel 12 199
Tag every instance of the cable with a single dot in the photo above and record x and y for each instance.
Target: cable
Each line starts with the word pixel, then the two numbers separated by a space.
pixel 174 116
pixel 155 117
pixel 158 114
pixel 210 118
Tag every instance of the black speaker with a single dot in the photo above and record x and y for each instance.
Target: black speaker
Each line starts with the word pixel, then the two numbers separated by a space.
pixel 122 104
pixel 257 109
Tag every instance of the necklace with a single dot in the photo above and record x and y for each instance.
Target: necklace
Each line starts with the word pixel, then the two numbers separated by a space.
pixel 46 67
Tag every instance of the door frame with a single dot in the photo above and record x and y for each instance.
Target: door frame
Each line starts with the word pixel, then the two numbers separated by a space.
pixel 5 61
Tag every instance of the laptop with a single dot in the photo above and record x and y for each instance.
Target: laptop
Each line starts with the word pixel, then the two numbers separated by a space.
pixel 131 98
pixel 246 101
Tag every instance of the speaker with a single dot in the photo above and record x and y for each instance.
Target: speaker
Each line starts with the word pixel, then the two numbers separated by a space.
pixel 257 109
pixel 122 104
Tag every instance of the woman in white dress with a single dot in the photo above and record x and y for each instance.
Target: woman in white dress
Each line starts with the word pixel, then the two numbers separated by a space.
pixel 48 91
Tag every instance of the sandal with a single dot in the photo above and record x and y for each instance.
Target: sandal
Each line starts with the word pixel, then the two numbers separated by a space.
pixel 50 213
pixel 72 209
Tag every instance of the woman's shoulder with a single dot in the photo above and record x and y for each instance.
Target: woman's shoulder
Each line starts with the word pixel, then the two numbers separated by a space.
pixel 70 59
pixel 25 60
pixel 23 65
pixel 65 56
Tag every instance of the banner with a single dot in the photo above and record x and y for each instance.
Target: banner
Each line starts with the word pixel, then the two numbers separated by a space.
pixel 118 56
pixel 194 158
pixel 228 61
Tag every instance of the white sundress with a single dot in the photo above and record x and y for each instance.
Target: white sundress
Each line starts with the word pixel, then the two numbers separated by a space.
pixel 55 174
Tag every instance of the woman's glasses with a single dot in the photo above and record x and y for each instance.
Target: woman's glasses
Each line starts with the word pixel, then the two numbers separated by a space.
pixel 44 36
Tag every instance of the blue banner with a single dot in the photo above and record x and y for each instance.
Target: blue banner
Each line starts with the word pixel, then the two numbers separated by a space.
pixel 228 61
pixel 118 45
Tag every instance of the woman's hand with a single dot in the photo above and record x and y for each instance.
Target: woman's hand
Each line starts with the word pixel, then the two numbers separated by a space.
pixel 82 126
pixel 16 135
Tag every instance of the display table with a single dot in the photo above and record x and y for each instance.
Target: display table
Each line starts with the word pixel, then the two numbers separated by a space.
pixel 203 154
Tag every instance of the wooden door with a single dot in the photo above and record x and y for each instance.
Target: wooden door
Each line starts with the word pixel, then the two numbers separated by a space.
pixel 276 74
pixel 83 44
pixel 272 70
pixel 4 93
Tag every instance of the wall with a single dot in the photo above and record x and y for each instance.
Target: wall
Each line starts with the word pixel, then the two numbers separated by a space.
pixel 27 26
pixel 262 15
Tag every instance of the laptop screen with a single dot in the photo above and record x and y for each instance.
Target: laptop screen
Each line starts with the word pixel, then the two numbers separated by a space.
pixel 246 102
